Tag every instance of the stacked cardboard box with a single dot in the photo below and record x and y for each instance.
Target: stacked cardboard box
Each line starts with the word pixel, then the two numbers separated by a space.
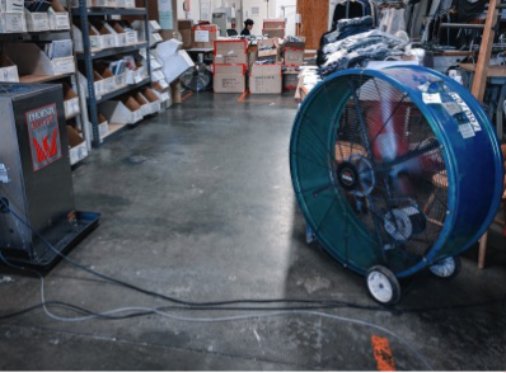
pixel 274 28
pixel 203 36
pixel 293 58
pixel 265 79
pixel 229 78
pixel 185 29
pixel 230 65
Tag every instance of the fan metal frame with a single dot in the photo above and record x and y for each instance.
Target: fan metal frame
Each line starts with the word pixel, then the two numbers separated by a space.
pixel 319 107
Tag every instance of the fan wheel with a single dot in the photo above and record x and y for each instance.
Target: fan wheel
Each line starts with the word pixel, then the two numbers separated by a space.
pixel 447 268
pixel 383 286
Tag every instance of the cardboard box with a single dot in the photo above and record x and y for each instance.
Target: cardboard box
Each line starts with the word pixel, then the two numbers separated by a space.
pixel 155 39
pixel 12 6
pixel 185 29
pixel 265 79
pixel 36 21
pixel 293 56
pixel 12 22
pixel 126 111
pixel 103 127
pixel 268 48
pixel 75 137
pixel 108 35
pixel 275 23
pixel 234 51
pixel 290 80
pixel 95 39
pixel 175 62
pixel 71 102
pixel 154 100
pixel 154 26
pixel 144 103
pixel 8 70
pixel 274 33
pixel 31 60
pixel 58 16
pixel 229 79
pixel 78 153
pixel 108 78
pixel 204 36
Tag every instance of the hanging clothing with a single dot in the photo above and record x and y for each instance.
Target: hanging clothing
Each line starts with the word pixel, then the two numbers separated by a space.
pixel 467 9
pixel 392 20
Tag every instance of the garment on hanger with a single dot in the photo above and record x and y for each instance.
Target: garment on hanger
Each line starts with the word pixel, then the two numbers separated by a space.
pixel 469 9
pixel 392 20
pixel 351 9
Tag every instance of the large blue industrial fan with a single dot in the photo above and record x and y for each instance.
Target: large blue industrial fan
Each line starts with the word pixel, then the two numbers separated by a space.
pixel 395 170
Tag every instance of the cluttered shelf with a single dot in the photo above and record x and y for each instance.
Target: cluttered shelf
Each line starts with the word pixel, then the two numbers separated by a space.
pixel 110 11
pixel 36 79
pixel 114 51
pixel 123 90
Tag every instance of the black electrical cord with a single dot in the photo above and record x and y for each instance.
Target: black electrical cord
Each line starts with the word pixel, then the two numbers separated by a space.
pixel 313 304
pixel 168 298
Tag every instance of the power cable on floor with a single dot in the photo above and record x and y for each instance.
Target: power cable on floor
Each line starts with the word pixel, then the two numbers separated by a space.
pixel 219 305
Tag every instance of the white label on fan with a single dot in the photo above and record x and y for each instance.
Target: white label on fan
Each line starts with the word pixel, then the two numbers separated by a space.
pixel 466 130
pixel 452 108
pixel 432 98
pixel 4 177
pixel 465 108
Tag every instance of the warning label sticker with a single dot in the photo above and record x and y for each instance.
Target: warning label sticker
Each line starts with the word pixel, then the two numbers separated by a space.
pixel 44 135
pixel 466 110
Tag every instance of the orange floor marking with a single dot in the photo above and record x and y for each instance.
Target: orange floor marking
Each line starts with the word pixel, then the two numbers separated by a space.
pixel 243 96
pixel 383 354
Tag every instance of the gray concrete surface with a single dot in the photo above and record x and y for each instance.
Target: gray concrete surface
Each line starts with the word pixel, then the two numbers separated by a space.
pixel 197 204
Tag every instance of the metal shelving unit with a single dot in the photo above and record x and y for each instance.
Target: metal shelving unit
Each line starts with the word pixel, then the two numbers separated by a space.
pixel 81 151
pixel 84 13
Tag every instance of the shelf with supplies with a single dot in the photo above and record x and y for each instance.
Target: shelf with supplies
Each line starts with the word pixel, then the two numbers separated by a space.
pixel 160 84
pixel 109 58
pixel 102 11
pixel 114 51
pixel 37 48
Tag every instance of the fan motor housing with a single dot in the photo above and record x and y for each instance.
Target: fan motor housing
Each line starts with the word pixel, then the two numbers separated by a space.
pixel 412 146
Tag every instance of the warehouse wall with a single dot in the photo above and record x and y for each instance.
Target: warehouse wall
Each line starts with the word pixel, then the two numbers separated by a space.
pixel 257 10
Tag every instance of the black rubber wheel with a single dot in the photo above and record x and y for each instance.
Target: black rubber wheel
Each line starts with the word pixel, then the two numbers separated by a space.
pixel 447 268
pixel 383 286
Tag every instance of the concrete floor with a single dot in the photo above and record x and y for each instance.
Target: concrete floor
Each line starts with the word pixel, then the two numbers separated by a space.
pixel 197 203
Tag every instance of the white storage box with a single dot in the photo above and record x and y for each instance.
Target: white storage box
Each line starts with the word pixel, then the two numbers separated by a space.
pixel 118 112
pixel 12 6
pixel 157 75
pixel 95 39
pixel 155 38
pixel 72 107
pixel 154 26
pixel 132 37
pixel 163 83
pixel 78 153
pixel 12 22
pixel 58 20
pixel 31 60
pixel 103 130
pixel 8 70
pixel 174 66
pixel 37 21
